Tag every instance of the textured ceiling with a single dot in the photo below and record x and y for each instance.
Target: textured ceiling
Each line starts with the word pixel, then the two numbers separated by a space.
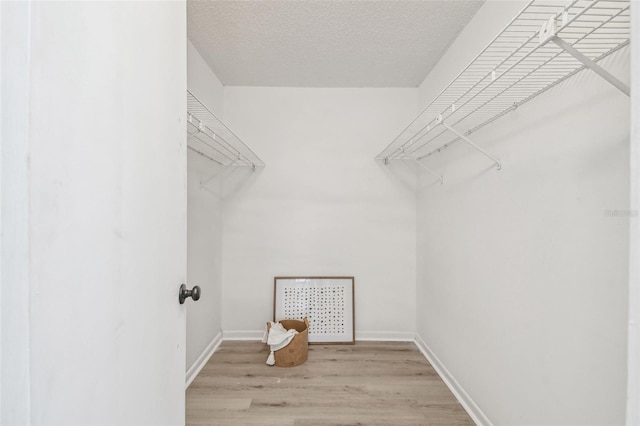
pixel 328 43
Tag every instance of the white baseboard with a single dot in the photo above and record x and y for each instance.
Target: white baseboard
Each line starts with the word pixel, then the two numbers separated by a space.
pixel 202 360
pixel 243 335
pixel 376 336
pixel 458 391
pixel 385 336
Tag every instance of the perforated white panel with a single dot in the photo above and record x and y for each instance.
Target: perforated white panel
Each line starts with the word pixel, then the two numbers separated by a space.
pixel 326 302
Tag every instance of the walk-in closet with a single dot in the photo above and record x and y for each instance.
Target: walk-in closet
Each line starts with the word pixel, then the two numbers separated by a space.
pixel 446 191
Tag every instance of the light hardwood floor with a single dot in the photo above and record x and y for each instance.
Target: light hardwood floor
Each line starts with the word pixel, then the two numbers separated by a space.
pixel 369 383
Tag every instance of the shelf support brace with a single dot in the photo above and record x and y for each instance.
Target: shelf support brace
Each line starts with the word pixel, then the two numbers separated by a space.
pixel 221 173
pixel 591 65
pixel 431 172
pixel 496 162
pixel 208 180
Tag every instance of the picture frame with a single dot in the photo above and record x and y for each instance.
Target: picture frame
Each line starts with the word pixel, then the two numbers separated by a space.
pixel 327 302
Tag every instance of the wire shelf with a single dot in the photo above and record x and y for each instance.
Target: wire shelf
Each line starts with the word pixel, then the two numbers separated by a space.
pixel 542 46
pixel 208 136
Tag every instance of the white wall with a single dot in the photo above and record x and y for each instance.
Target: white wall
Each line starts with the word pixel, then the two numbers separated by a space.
pixel 204 227
pixel 106 214
pixel 1 192
pixel 14 266
pixel 202 82
pixel 322 206
pixel 633 361
pixel 522 273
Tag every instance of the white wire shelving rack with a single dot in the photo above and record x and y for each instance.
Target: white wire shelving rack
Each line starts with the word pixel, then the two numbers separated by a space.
pixel 209 137
pixel 541 47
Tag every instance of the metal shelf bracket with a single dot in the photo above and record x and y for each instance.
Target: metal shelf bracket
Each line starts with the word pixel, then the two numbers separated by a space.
pixel 417 161
pixel 220 173
pixel 495 160
pixel 549 32
pixel 431 172
pixel 591 65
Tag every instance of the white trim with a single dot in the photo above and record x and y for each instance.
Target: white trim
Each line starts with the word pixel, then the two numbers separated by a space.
pixel 243 335
pixel 15 64
pixel 385 336
pixel 458 391
pixel 373 336
pixel 202 360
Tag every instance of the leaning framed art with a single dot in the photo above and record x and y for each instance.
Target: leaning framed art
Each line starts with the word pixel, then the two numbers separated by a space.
pixel 327 302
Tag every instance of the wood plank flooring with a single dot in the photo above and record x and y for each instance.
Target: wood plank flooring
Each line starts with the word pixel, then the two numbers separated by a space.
pixel 369 383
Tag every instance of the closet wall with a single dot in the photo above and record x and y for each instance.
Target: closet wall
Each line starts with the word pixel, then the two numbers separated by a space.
pixel 321 206
pixel 204 223
pixel 522 273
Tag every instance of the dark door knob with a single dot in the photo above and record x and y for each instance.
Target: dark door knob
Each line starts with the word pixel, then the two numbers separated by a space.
pixel 185 293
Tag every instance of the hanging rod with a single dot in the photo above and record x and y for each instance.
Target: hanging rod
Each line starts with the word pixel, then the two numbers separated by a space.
pixel 542 46
pixel 209 137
